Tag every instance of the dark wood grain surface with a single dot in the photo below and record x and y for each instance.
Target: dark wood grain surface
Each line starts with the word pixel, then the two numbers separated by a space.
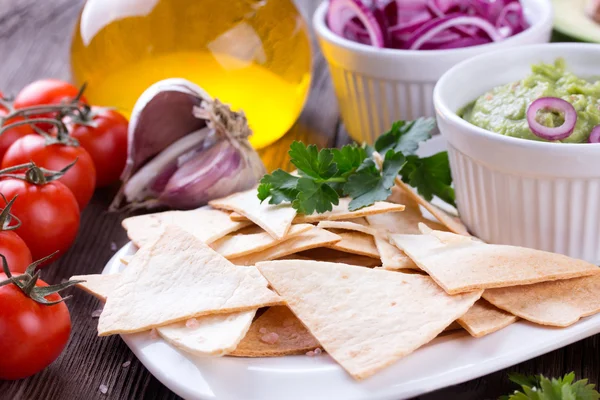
pixel 34 43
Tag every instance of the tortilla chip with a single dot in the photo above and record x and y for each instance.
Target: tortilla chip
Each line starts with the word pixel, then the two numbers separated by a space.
pixel 251 240
pixel 97 285
pixel 392 258
pixel 370 320
pixel 356 224
pixel 315 237
pixel 356 243
pixel 483 319
pixel 212 335
pixel 335 256
pixel 399 196
pixel 339 212
pixel 455 326
pixel 465 264
pixel 275 219
pixel 177 278
pixel 206 224
pixel 406 222
pixel 292 336
pixel 558 303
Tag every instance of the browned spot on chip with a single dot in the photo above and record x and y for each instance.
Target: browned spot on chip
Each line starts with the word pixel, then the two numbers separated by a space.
pixel 276 333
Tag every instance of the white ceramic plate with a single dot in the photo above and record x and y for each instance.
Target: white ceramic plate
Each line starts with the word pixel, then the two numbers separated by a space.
pixel 448 360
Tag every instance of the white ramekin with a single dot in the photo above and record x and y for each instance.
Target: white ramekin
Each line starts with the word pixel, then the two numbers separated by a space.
pixel 517 191
pixel 376 87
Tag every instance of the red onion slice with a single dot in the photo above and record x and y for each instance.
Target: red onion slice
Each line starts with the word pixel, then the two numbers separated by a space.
pixel 442 24
pixel 595 135
pixel 554 104
pixel 342 11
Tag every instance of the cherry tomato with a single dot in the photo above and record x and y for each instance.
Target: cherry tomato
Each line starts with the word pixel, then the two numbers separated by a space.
pixel 44 92
pixel 49 215
pixel 33 335
pixel 106 142
pixel 15 250
pixel 11 135
pixel 81 178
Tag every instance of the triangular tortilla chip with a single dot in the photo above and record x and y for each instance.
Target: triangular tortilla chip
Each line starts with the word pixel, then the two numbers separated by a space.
pixel 392 258
pixel 212 335
pixel 275 333
pixel 483 319
pixel 251 240
pixel 373 317
pixel 455 326
pixel 339 212
pixel 399 196
pixel 356 243
pixel 177 278
pixel 275 219
pixel 316 237
pixel 356 224
pixel 465 264
pixel 406 222
pixel 205 224
pixel 558 303
pixel 335 256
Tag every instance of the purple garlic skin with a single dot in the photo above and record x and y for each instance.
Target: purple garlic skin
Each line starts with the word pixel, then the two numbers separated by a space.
pixel 185 149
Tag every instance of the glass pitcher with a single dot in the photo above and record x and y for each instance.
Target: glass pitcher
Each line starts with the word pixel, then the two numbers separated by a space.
pixel 253 54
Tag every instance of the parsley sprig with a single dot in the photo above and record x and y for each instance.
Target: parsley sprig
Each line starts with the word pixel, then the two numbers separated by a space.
pixel 541 388
pixel 326 175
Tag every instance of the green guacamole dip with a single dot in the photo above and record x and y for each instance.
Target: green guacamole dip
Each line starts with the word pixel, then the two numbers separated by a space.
pixel 502 109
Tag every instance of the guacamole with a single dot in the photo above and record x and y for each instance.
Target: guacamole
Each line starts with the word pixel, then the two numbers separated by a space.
pixel 502 109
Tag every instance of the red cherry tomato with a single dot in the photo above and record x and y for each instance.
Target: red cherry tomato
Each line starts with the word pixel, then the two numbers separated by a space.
pixel 15 250
pixel 49 215
pixel 33 335
pixel 44 92
pixel 11 135
pixel 81 178
pixel 106 142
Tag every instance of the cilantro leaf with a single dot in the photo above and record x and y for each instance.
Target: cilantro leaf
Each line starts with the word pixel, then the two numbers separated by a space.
pixel 312 162
pixel 542 388
pixel 280 185
pixel 405 136
pixel 369 185
pixel 430 176
pixel 314 196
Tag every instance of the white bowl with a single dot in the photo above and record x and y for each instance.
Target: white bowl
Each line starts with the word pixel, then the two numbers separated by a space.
pixel 376 87
pixel 518 191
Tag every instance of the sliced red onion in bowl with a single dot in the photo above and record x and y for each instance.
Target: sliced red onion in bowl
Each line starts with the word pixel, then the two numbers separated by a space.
pixel 342 11
pixel 554 104
pixel 595 135
pixel 422 24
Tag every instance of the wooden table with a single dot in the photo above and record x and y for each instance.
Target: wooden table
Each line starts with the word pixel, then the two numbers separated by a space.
pixel 34 43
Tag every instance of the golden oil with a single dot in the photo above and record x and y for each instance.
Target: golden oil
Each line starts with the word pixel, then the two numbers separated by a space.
pixel 254 55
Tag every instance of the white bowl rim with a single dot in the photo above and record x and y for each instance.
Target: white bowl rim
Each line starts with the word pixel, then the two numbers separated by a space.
pixel 452 116
pixel 323 30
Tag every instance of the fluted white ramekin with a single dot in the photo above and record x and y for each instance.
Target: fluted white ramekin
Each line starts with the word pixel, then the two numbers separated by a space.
pixel 376 87
pixel 517 191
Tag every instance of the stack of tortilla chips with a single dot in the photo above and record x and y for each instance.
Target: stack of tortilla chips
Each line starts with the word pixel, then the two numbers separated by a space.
pixel 249 279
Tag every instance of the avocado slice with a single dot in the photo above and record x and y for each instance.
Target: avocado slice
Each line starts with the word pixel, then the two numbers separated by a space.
pixel 574 18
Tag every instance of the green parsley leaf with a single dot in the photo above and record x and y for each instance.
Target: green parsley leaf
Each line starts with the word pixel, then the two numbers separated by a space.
pixel 430 176
pixel 312 162
pixel 369 185
pixel 314 196
pixel 405 136
pixel 541 388
pixel 280 185
pixel 348 158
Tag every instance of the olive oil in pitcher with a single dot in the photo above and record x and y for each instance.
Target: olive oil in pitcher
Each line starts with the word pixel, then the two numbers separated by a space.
pixel 254 55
